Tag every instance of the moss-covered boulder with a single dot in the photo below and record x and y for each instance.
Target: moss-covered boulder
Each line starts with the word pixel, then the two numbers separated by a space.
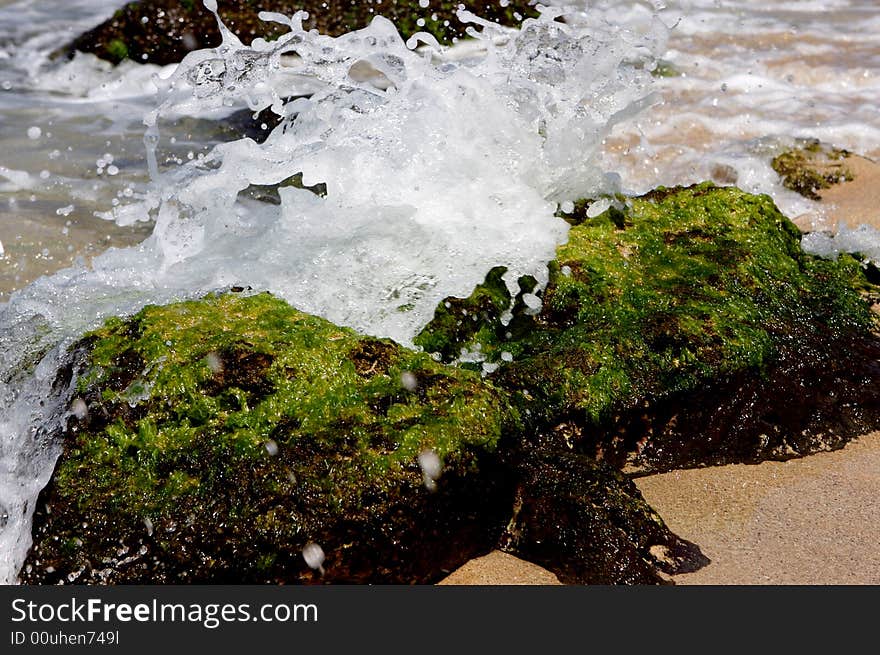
pixel 215 439
pixel 164 31
pixel 680 328
pixel 219 440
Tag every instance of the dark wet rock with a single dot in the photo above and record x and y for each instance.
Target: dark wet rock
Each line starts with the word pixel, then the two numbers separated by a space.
pixel 214 440
pixel 588 523
pixel 164 31
pixel 682 328
pixel 815 397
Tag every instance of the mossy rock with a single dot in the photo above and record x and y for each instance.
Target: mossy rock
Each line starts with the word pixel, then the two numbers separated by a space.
pixel 811 166
pixel 223 435
pixel 213 440
pixel 164 31
pixel 699 290
pixel 666 68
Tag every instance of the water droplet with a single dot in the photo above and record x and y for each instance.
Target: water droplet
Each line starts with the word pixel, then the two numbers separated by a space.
pixel 314 556
pixel 431 467
pixel 212 359
pixel 533 303
pixel 79 408
pixel 409 381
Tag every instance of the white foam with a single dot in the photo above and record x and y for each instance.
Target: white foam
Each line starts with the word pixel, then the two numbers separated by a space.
pixel 863 240
pixel 449 169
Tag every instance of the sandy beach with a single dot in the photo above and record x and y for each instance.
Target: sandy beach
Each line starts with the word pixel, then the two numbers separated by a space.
pixel 814 520
pixel 499 568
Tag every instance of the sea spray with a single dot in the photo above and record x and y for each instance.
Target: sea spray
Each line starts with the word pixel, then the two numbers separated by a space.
pixel 436 169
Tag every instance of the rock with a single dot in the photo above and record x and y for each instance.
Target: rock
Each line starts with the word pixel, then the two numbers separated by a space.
pixel 234 439
pixel 589 524
pixel 812 166
pixel 221 437
pixel 682 328
pixel 164 31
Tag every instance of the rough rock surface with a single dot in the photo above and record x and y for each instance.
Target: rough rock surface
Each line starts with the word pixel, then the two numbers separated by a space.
pixel 219 437
pixel 164 31
pixel 215 440
pixel 682 328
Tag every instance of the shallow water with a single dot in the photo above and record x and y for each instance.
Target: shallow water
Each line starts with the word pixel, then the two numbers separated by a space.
pixel 755 75
pixel 430 186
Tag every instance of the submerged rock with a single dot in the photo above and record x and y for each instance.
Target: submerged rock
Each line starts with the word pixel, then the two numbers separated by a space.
pixel 234 439
pixel 811 167
pixel 164 31
pixel 682 328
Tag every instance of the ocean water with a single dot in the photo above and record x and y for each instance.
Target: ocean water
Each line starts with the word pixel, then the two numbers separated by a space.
pixel 122 186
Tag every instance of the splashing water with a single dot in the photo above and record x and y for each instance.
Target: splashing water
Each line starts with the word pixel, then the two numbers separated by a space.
pixel 437 164
pixel 433 168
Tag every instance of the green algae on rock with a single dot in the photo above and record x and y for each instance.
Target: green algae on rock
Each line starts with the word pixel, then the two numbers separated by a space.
pixel 665 68
pixel 810 167
pixel 223 435
pixel 214 440
pixel 678 291
pixel 164 31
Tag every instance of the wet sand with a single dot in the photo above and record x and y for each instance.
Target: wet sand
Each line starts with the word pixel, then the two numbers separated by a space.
pixel 499 568
pixel 854 203
pixel 814 520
